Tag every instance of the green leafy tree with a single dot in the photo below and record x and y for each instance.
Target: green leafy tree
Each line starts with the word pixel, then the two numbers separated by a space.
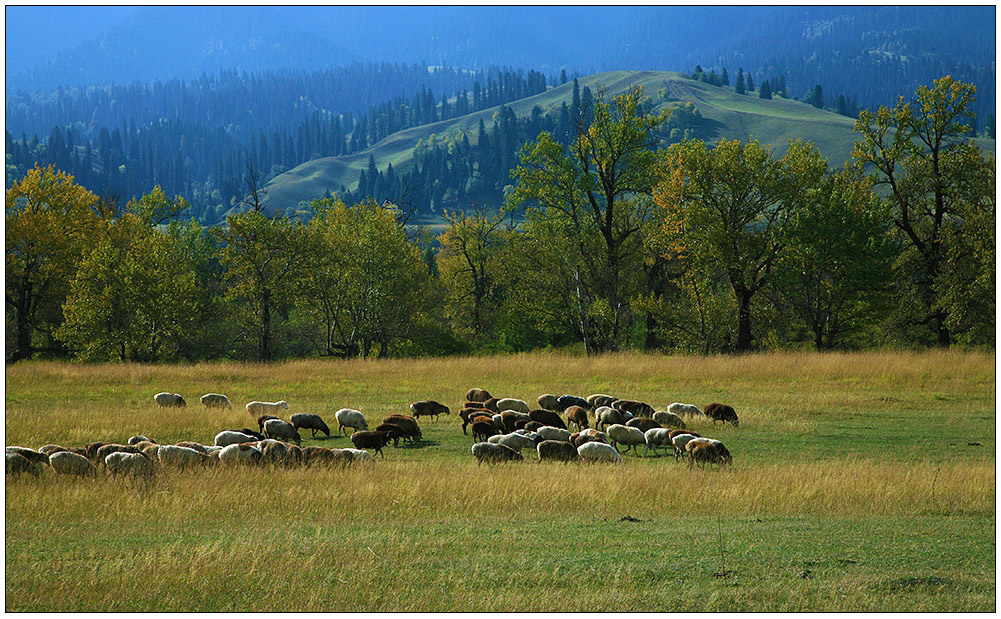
pixel 727 206
pixel 263 260
pixel 50 223
pixel 835 269
pixel 935 180
pixel 600 185
pixel 133 296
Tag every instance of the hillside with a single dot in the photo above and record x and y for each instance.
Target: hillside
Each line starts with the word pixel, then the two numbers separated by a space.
pixel 729 115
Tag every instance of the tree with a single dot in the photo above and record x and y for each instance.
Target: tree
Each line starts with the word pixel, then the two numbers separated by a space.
pixel 134 294
pixel 727 207
pixel 766 91
pixel 835 269
pixel 468 263
pixel 50 223
pixel 725 77
pixel 934 180
pixel 263 259
pixel 600 184
pixel 817 97
pixel 750 83
pixel 739 86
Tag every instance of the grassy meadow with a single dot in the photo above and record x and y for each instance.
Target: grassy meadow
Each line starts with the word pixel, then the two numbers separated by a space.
pixel 861 482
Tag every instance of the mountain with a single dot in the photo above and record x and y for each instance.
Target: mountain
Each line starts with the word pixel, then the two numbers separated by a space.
pixel 727 114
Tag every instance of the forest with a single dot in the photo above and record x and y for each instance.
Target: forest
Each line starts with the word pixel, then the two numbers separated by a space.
pixel 610 237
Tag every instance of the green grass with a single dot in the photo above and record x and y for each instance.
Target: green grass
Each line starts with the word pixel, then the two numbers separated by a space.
pixel 854 470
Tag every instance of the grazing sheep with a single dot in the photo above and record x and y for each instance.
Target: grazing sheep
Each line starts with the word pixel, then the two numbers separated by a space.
pixel 566 401
pixel 483 430
pixel 607 416
pixel 123 463
pixel 272 451
pixel 428 408
pixel 324 456
pixel 490 452
pixel 294 456
pixel 512 404
pixel 69 463
pixel 579 438
pixel 152 451
pixel 657 437
pixel 478 395
pixel 48 450
pixel 721 412
pixel 215 400
pixel 491 405
pixel 408 425
pixel 393 432
pixel 515 441
pixel 308 421
pixel 350 418
pixel 684 410
pixel 193 445
pixel 533 426
pixel 173 456
pixel 370 439
pixel 359 456
pixel 240 453
pixel 263 419
pixel 597 400
pixel 577 415
pixel 642 423
pixel 229 437
pixel 17 464
pixel 551 433
pixel 598 452
pixel 466 415
pixel 281 430
pixel 256 409
pixel 92 448
pixel 668 419
pixel 257 436
pixel 548 418
pixel 638 409
pixel 631 437
pixel 510 420
pixel 707 453
pixel 35 457
pixel 169 400
pixel 557 450
pixel 139 438
pixel 680 442
pixel 106 450
pixel 548 401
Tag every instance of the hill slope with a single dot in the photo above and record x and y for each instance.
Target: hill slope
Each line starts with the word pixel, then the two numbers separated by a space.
pixel 731 116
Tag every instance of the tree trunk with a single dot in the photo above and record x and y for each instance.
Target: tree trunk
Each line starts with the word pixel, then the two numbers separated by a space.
pixel 651 332
pixel 942 331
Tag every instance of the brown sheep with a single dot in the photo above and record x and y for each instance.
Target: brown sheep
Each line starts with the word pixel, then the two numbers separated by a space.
pixel 408 425
pixel 466 415
pixel 92 448
pixel 110 448
pixel 35 457
pixel 533 426
pixel 556 450
pixel 483 430
pixel 491 405
pixel 393 432
pixel 478 395
pixel 324 456
pixel 721 412
pixel 707 453
pixel 370 439
pixel 193 445
pixel 428 408
pixel 642 424
pixel 48 450
pixel 639 409
pixel 547 418
pixel 577 416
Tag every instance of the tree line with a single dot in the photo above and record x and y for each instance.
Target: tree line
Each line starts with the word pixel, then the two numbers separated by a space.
pixel 605 242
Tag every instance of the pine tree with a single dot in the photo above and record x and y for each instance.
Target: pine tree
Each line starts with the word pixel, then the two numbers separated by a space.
pixel 739 86
pixel 750 83
pixel 766 91
pixel 726 77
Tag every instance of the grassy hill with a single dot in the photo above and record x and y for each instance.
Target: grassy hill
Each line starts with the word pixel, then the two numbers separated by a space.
pixel 732 116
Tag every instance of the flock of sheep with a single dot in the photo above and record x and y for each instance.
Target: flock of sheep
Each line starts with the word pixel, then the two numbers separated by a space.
pixel 501 428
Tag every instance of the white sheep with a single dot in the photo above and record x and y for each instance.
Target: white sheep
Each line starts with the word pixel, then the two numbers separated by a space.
pixel 229 437
pixel 169 400
pixel 179 457
pixel 491 452
pixel 679 441
pixel 122 463
pixel 549 433
pixel 215 400
pixel 668 419
pixel 281 430
pixel 256 408
pixel 350 418
pixel 598 452
pixel 657 437
pixel 139 438
pixel 548 402
pixel 514 440
pixel 512 404
pixel 360 456
pixel 240 454
pixel 272 451
pixel 626 435
pixel 69 463
pixel 684 410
